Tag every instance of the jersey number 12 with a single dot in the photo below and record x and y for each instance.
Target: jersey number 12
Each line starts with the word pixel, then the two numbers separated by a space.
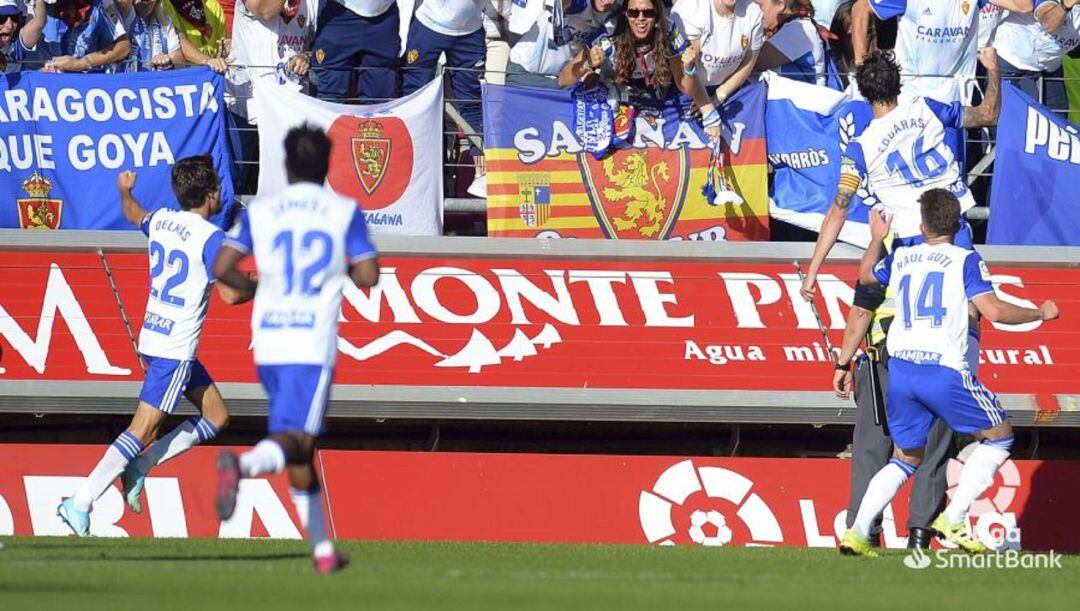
pixel 309 242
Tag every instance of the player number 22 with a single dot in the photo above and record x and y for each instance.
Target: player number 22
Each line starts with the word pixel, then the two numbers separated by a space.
pixel 309 242
pixel 927 303
pixel 175 259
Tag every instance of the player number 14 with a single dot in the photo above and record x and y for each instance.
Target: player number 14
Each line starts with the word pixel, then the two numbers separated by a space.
pixel 927 303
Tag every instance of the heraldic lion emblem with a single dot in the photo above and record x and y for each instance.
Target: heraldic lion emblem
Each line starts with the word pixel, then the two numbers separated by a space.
pixel 639 186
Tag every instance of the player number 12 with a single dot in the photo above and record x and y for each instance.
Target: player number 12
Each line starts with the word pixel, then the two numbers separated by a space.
pixel 309 242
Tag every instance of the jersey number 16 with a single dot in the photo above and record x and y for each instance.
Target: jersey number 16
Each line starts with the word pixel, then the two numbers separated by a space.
pixel 928 164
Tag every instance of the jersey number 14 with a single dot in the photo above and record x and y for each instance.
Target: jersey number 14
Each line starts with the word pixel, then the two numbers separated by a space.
pixel 927 303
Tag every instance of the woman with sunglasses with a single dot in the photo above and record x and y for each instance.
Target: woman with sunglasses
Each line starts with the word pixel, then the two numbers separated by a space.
pixel 643 59
pixel 19 38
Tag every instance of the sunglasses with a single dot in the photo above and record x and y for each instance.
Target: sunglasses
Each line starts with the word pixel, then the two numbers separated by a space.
pixel 647 13
pixel 5 18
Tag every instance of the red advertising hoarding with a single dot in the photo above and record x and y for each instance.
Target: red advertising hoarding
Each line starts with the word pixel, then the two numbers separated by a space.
pixel 521 322
pixel 656 500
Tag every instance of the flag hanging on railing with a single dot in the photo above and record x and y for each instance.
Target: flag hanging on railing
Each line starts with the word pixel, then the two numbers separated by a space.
pixel 809 128
pixel 543 181
pixel 1033 200
pixel 386 156
pixel 65 137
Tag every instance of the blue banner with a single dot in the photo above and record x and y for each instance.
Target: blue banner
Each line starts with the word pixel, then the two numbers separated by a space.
pixel 64 138
pixel 809 128
pixel 1033 200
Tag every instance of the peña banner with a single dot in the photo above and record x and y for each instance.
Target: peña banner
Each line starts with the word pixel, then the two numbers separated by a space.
pixel 543 181
pixel 1036 171
pixel 65 137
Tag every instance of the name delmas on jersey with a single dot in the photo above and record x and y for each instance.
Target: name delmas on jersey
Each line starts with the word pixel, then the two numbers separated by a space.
pixel 171 226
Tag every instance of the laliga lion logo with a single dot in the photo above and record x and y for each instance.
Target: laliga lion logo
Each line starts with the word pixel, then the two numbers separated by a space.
pixel 708 527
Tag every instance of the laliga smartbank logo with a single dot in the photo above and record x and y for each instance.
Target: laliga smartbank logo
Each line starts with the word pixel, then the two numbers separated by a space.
pixel 919 559
pixel 709 506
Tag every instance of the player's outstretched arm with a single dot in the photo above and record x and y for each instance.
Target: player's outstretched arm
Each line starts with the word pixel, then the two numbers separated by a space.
pixel 365 273
pixel 133 210
pixel 858 321
pixel 227 274
pixel 830 232
pixel 880 225
pixel 986 113
pixel 999 311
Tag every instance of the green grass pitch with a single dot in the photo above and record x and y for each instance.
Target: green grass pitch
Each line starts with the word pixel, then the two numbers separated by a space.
pixel 204 574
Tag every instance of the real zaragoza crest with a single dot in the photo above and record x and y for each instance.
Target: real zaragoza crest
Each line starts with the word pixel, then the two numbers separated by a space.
pixel 39 211
pixel 371 155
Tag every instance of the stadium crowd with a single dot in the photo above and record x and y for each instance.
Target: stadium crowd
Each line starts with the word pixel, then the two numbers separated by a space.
pixel 361 51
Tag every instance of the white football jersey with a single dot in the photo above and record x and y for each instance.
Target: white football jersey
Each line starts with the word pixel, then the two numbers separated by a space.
pixel 935 45
pixel 1022 42
pixel 265 47
pixel 825 11
pixel 183 247
pixel 725 41
pixel 989 18
pixel 304 240
pixel 365 8
pixel 933 286
pixel 451 17
pixel 901 155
